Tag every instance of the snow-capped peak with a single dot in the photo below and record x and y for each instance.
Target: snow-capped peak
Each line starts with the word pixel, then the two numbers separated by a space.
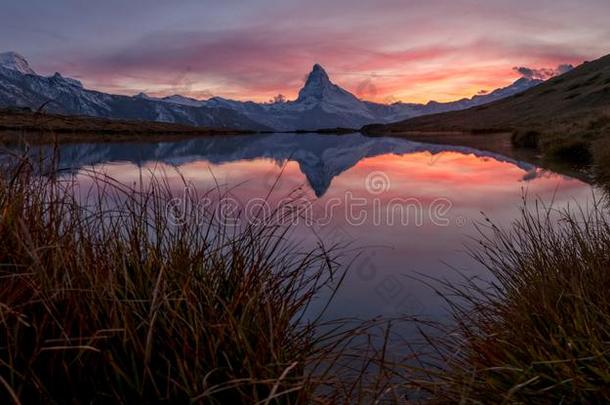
pixel 144 96
pixel 526 82
pixel 178 99
pixel 319 91
pixel 518 86
pixel 16 62
pixel 316 85
pixel 319 73
pixel 68 80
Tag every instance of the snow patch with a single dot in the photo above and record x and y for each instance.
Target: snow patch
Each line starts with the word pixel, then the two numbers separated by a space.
pixel 14 61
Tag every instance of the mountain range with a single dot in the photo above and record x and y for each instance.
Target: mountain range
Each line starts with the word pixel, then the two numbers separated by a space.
pixel 320 104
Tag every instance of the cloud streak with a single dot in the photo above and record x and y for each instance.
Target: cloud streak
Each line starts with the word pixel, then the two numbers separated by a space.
pixel 543 73
pixel 386 49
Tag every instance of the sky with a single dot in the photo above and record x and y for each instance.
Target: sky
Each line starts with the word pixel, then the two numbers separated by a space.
pixel 381 50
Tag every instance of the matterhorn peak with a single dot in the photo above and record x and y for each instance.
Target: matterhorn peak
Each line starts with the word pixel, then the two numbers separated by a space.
pixel 16 62
pixel 318 69
pixel 316 84
pixel 318 75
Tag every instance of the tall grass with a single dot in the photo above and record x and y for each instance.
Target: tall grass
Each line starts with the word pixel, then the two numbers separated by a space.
pixel 105 297
pixel 540 332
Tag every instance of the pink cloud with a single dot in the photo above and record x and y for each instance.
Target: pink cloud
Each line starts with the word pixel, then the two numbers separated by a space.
pixel 382 51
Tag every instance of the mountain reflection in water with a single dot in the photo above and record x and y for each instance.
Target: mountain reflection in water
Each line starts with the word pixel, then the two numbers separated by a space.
pixel 334 171
pixel 320 157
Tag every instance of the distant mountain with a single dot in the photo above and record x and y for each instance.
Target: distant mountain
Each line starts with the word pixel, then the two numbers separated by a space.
pixel 575 103
pixel 320 157
pixel 320 104
pixel 20 86
pixel 16 62
pixel 323 104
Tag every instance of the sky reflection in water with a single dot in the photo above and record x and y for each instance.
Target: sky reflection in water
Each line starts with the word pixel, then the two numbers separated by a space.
pixel 336 172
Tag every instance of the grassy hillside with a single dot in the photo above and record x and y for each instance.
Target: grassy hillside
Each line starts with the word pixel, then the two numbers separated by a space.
pixel 567 117
pixel 38 127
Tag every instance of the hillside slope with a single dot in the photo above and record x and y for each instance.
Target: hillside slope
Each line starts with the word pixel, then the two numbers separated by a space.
pixel 18 126
pixel 575 101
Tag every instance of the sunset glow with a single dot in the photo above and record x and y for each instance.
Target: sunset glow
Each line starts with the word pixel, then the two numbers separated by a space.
pixel 384 51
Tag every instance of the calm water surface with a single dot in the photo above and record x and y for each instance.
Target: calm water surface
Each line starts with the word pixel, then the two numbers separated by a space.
pixel 406 208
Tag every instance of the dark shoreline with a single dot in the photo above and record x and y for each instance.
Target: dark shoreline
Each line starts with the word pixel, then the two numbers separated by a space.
pixel 497 142
pixel 26 127
pixel 32 127
pixel 22 125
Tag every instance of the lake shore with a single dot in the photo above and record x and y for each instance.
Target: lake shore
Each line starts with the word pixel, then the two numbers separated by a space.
pixel 22 125
pixel 497 142
pixel 494 142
